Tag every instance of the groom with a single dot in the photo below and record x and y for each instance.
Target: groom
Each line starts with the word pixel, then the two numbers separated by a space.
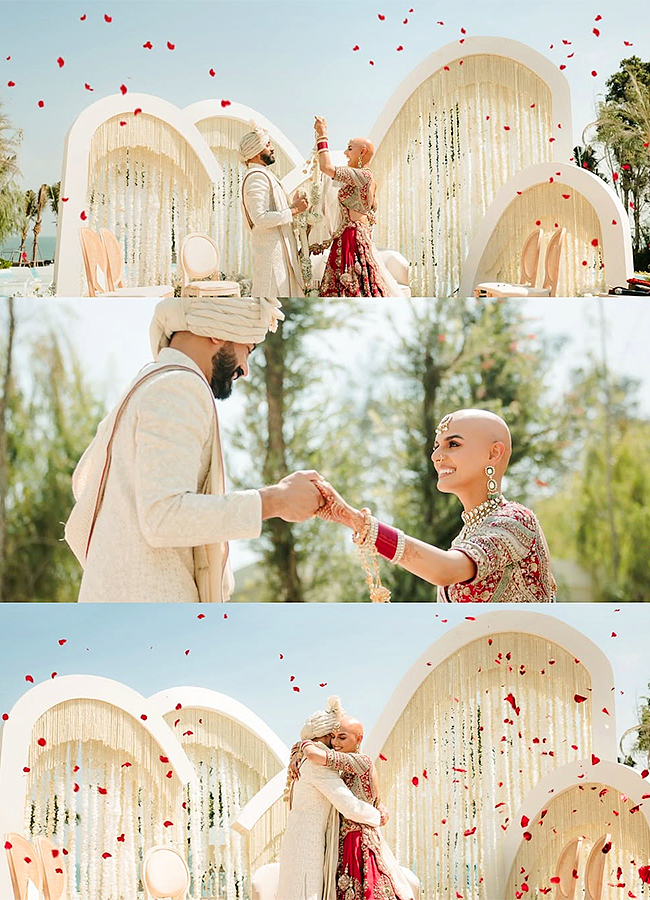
pixel 309 854
pixel 276 266
pixel 152 519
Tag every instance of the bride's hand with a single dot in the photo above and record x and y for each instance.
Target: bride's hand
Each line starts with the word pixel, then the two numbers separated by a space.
pixel 320 126
pixel 335 509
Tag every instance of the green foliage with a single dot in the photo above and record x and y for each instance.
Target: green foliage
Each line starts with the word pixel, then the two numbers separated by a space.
pixel 623 131
pixel 51 419
pixel 10 195
pixel 600 514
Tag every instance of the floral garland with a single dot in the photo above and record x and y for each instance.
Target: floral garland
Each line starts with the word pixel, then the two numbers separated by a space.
pixel 304 220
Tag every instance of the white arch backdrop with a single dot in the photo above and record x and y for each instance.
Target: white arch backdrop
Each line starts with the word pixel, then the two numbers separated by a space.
pixel 583 799
pixel 488 721
pixel 459 129
pixel 214 748
pixel 426 816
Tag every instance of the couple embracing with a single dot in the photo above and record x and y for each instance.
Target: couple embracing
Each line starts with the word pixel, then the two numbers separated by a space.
pixel 332 848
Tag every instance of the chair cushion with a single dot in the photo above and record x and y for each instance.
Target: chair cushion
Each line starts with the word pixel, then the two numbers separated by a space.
pixel 502 289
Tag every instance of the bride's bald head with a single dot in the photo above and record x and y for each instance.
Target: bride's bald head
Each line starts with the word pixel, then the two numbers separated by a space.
pixel 480 426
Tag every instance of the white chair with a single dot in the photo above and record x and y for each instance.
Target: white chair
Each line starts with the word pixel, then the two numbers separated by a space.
pixel 595 869
pixel 199 259
pixel 164 874
pixel 24 867
pixel 568 863
pixel 97 271
pixel 115 271
pixel 55 879
pixel 529 263
pixel 264 882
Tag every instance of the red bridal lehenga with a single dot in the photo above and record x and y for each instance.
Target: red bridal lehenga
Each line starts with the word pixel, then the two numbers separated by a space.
pixel 352 270
pixel 367 869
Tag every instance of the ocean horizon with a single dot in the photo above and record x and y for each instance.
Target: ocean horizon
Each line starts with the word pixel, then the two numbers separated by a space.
pixel 46 246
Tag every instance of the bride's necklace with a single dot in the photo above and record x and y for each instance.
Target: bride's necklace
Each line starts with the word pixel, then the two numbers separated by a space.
pixel 472 518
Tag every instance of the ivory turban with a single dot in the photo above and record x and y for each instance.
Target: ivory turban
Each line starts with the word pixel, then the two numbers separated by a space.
pixel 253 143
pixel 323 722
pixel 243 320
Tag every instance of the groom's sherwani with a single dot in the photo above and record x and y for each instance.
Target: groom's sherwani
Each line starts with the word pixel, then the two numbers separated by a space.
pixel 276 266
pixel 319 796
pixel 158 526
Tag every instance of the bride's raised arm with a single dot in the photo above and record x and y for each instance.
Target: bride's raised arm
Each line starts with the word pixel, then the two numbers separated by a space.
pixel 440 567
pixel 323 147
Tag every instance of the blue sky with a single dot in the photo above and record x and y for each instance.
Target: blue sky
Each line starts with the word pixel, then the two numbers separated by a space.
pixel 361 651
pixel 288 59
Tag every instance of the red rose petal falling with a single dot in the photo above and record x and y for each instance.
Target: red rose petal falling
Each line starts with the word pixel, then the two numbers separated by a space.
pixel 75 788
pixel 212 73
pixel 106 855
pixel 323 684
pixel 644 874
pixel 382 757
pixel 527 836
pixel 26 769
pixel 356 47
pixel 108 18
pixel 60 62
pixel 371 62
pixel 102 791
pixel 41 742
pixel 167 823
pixel 201 616
pixel 178 706
pixel 296 689
pixel 594 73
pixel 400 47
pixel 565 196
pixel 137 111
pixel 595 31
pixel 123 89
pixel 144 717
pixel 224 104
pixel 469 832
pixel 171 46
pixel 41 104
pixel 148 46
pixel 380 17
pixel 5 717
pixel 121 838
pixel 594 759
pixel 579 699
pixel 415 781
pixel 11 84
pixel 628 43
pixel 82 18
pixel 122 122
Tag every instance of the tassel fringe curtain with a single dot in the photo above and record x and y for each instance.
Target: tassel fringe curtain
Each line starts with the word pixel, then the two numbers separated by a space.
pixel 149 188
pixel 101 788
pixel 589 811
pixel 461 760
pixel 446 155
pixel 581 264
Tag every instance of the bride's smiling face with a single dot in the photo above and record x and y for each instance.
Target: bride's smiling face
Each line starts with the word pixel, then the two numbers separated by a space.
pixel 344 741
pixel 349 735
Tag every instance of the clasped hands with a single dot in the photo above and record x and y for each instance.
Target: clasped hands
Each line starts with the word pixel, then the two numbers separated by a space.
pixel 302 495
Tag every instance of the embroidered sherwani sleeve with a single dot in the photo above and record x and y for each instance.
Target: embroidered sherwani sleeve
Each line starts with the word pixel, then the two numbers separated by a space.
pixel 354 763
pixel 174 422
pixel 342 798
pixel 257 191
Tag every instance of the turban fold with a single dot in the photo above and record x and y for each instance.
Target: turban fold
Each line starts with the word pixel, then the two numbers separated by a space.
pixel 324 721
pixel 243 320
pixel 253 143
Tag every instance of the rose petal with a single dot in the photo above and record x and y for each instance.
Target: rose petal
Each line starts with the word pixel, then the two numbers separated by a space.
pixel 224 104
pixel 60 62
pixel 171 46
pixel 108 18
pixel 148 46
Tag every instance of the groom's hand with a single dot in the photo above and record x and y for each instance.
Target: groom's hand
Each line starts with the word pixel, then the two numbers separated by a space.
pixel 383 813
pixel 299 202
pixel 295 498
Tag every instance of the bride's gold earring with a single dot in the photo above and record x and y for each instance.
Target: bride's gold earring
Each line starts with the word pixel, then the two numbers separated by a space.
pixel 360 161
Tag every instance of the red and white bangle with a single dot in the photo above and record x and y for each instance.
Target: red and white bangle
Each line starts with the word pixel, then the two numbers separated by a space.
pixel 322 145
pixel 388 542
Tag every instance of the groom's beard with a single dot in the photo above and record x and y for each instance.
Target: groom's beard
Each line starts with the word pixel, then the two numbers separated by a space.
pixel 268 158
pixel 224 371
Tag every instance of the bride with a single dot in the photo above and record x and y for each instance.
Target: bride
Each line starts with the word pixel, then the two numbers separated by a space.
pixel 367 870
pixel 352 269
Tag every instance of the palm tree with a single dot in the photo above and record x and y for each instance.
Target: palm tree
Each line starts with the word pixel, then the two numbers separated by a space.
pixel 623 128
pixel 55 194
pixel 27 210
pixel 9 192
pixel 42 199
